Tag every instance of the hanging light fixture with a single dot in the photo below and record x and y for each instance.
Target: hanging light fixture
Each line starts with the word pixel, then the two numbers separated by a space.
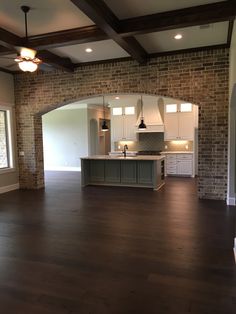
pixel 142 125
pixel 104 123
pixel 27 61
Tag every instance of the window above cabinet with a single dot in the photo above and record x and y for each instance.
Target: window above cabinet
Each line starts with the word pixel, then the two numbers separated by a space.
pixel 119 111
pixel 171 108
pixel 183 107
pixel 186 107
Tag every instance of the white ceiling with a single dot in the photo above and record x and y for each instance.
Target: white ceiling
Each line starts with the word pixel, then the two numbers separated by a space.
pixel 131 8
pixel 102 50
pixel 53 15
pixel 45 16
pixel 192 37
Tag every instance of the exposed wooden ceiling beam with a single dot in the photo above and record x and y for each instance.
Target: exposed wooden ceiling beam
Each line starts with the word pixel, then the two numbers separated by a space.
pixel 56 61
pixel 9 43
pixel 204 14
pixel 230 31
pixel 105 19
pixel 68 37
pixel 193 16
pixel 9 40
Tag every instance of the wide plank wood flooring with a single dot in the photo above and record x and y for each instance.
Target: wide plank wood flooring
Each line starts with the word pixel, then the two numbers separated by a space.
pixel 110 250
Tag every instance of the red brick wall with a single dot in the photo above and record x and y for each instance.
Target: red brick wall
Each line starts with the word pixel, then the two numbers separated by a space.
pixel 199 77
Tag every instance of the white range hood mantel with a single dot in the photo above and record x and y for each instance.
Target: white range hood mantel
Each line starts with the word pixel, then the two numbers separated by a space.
pixel 152 117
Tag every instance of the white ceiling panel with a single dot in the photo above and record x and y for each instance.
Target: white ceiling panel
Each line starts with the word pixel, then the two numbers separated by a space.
pixel 102 50
pixel 193 37
pixel 132 8
pixel 45 16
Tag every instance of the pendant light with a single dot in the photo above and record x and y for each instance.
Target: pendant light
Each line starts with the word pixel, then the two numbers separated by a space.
pixel 142 125
pixel 104 124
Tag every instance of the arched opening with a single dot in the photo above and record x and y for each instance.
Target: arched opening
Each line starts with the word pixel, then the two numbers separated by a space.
pixel 177 138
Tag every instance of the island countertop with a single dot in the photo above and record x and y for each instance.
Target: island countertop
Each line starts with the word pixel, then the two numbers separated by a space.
pixel 139 157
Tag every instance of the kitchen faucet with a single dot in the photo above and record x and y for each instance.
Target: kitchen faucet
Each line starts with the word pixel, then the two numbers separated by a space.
pixel 124 150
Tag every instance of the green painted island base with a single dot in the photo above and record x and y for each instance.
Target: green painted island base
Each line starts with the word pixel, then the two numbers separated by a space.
pixel 129 173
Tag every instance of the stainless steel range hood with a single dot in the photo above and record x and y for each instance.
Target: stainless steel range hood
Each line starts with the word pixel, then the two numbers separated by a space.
pixel 152 116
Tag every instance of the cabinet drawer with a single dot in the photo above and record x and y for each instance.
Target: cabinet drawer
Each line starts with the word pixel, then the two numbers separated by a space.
pixel 185 157
pixel 171 164
pixel 171 158
pixel 171 169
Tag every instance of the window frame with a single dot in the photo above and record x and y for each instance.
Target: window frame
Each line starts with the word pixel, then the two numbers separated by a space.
pixel 9 137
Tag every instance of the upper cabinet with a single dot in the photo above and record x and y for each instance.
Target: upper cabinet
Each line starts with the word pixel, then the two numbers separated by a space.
pixel 123 119
pixel 179 121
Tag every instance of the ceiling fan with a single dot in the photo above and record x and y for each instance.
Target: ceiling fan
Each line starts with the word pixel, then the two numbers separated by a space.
pixel 26 58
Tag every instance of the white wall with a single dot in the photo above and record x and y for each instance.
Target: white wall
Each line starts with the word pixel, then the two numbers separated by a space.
pixel 65 138
pixel 99 143
pixel 232 122
pixel 9 179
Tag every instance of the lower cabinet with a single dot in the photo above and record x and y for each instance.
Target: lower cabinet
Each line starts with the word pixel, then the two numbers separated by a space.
pixel 145 172
pixel 129 172
pixel 179 164
pixel 133 173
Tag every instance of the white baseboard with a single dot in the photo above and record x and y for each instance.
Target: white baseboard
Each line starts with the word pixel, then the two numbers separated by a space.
pixel 235 249
pixel 62 168
pixel 9 188
pixel 231 201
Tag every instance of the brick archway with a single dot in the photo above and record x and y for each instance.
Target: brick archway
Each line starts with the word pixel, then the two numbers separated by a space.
pixel 200 78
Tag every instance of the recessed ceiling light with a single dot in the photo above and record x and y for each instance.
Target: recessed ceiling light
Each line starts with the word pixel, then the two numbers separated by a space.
pixel 178 36
pixel 117 97
pixel 88 50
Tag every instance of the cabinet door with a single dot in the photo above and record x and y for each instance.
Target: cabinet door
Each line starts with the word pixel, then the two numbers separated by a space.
pixel 171 126
pixel 129 127
pixel 112 171
pixel 145 172
pixel 185 167
pixel 128 171
pixel 117 128
pixel 96 170
pixel 186 125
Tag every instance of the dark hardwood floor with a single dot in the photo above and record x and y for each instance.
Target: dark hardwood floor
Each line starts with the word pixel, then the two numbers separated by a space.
pixel 104 250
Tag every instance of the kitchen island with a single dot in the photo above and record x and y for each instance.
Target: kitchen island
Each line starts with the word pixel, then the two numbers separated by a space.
pixel 138 171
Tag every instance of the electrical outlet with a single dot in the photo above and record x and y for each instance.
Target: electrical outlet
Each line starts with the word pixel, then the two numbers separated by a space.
pixel 186 146
pixel 166 146
pixel 21 153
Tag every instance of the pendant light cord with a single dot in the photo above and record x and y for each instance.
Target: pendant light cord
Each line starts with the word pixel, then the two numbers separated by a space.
pixel 26 27
pixel 142 106
pixel 103 108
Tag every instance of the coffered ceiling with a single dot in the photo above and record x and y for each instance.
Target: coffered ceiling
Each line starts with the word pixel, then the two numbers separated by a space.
pixel 61 30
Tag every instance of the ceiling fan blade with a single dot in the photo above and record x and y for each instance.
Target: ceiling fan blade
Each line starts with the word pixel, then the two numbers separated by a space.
pixel 8 58
pixel 11 65
pixel 45 67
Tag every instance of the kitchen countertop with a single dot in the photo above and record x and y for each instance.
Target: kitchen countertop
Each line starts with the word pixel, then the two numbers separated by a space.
pixel 177 152
pixel 139 157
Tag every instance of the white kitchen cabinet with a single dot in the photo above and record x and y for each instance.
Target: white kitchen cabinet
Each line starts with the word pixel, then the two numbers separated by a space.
pixel 179 164
pixel 179 123
pixel 171 126
pixel 186 125
pixel 123 120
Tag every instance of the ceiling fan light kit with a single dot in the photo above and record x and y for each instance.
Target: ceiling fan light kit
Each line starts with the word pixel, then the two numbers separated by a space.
pixel 26 60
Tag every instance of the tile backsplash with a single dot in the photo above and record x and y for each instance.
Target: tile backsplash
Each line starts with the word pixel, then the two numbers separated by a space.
pixel 155 141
